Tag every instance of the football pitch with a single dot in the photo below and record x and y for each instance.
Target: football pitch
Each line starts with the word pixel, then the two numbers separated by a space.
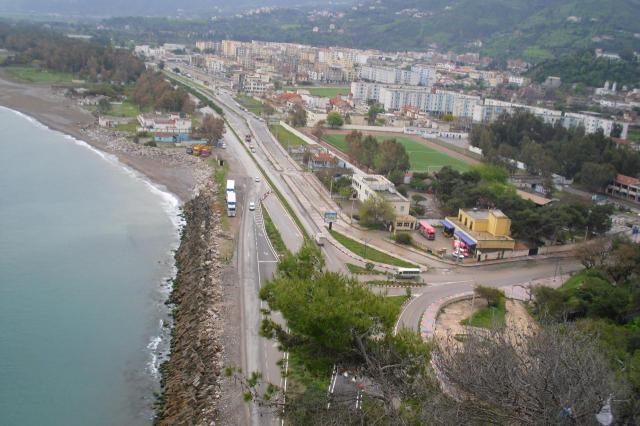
pixel 422 158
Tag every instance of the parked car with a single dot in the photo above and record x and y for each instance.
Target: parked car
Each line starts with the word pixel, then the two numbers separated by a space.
pixel 257 179
pixel 252 206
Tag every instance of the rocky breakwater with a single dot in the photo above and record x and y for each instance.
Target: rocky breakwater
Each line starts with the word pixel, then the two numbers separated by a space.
pixel 191 376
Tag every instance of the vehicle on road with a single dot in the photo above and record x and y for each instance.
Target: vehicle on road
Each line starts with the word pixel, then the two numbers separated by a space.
pixel 252 206
pixel 257 179
pixel 408 273
pixel 253 150
pixel 231 204
pixel 459 254
pixel 247 138
pixel 320 239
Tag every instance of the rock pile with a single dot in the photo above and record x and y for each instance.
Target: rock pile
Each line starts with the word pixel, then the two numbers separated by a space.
pixel 191 377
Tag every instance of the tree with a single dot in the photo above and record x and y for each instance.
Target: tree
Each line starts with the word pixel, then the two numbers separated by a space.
pixel 104 106
pixel 212 129
pixel 372 114
pixel 597 175
pixel 298 116
pixel 334 119
pixel 525 377
pixel 391 156
pixel 325 311
pixel 376 211
pixel 417 199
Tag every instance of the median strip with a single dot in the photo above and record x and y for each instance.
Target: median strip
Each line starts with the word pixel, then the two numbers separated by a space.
pixel 368 252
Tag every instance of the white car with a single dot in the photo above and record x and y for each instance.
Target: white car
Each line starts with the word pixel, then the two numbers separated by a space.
pixel 252 206
pixel 257 179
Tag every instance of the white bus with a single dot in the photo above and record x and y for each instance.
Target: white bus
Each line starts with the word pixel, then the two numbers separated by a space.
pixel 408 273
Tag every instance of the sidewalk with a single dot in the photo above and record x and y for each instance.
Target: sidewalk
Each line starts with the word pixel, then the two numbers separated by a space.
pixel 516 291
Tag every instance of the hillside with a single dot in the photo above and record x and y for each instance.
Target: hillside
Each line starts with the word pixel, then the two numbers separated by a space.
pixel 534 30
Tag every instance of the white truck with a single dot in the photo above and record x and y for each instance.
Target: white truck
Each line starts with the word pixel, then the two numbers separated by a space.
pixel 320 239
pixel 231 204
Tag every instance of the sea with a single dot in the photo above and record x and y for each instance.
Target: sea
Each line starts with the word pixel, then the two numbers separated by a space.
pixel 86 259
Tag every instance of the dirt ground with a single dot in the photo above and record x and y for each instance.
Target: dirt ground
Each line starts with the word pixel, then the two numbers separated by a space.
pixel 518 320
pixel 448 322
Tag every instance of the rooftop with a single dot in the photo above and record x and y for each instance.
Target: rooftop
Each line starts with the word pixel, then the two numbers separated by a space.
pixel 627 180
pixel 479 214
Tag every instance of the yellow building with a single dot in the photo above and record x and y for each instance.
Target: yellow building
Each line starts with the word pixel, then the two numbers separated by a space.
pixel 487 230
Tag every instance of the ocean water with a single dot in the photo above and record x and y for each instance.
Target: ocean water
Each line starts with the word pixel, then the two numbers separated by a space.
pixel 85 254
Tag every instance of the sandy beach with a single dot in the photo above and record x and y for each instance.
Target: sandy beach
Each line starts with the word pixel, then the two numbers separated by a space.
pixel 178 172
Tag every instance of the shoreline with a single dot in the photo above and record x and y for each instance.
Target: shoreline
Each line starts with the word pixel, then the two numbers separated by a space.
pixel 187 180
pixel 171 171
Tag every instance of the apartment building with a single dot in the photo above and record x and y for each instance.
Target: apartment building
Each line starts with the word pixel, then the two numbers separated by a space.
pixel 491 109
pixel 415 76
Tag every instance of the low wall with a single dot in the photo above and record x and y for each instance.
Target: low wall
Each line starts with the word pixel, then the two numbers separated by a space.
pixel 299 134
pixel 373 128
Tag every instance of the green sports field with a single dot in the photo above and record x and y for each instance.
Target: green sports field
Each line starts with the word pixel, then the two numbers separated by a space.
pixel 423 158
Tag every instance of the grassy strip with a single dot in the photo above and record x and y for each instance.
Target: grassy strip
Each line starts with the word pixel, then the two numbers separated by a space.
pixel 285 137
pixel 403 283
pixel 274 235
pixel 205 99
pixel 250 103
pixel 325 92
pixel 36 75
pixel 371 253
pixel 355 269
pixel 219 175
pixel 488 317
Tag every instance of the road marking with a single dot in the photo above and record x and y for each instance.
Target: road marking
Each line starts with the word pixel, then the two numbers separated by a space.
pixel 267 261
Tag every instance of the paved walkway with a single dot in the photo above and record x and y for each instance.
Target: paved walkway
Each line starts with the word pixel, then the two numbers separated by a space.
pixel 516 291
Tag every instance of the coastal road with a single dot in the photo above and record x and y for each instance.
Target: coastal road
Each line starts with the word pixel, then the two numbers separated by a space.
pixel 443 279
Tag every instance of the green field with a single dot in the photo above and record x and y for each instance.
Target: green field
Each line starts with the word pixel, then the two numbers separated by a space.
pixel 634 135
pixel 35 75
pixel 124 109
pixel 285 137
pixel 369 253
pixel 251 103
pixel 327 92
pixel 422 158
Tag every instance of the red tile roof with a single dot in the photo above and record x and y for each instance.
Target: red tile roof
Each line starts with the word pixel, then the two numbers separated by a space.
pixel 627 180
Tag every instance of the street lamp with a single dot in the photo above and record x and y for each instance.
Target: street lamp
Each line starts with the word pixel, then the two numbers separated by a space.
pixel 366 240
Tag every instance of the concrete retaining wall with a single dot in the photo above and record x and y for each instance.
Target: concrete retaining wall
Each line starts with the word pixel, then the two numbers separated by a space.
pixel 299 134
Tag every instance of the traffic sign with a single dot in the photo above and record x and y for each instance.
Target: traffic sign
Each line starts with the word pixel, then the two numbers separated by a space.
pixel 330 217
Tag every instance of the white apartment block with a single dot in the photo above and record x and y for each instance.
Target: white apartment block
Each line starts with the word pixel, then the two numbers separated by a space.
pixel 215 64
pixel 492 109
pixel 415 76
pixel 255 85
pixel 395 97
pixel 363 91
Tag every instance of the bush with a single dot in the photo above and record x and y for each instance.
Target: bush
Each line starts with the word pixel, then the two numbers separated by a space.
pixel 403 238
pixel 417 211
pixel 492 295
pixel 150 143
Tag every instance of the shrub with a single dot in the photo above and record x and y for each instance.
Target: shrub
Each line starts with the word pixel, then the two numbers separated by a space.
pixel 403 238
pixel 492 295
pixel 150 143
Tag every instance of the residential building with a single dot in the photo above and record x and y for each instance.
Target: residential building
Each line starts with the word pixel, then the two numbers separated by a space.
pixel 492 109
pixel 379 186
pixel 481 230
pixel 625 187
pixel 255 85
pixel 164 123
